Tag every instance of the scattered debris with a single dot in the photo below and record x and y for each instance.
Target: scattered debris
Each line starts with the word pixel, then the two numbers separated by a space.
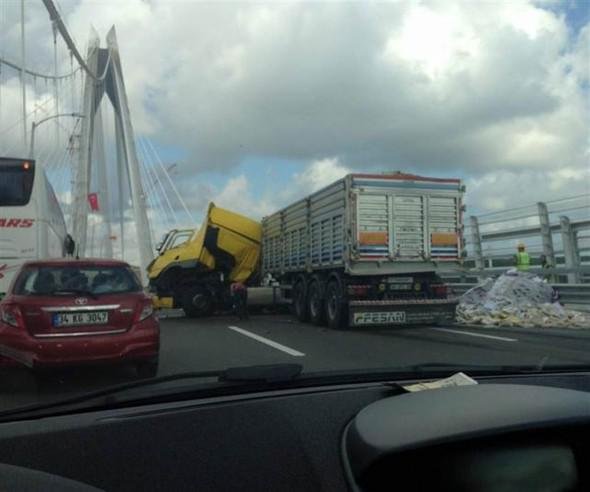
pixel 517 299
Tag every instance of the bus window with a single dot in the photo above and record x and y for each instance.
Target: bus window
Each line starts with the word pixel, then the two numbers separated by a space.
pixel 16 182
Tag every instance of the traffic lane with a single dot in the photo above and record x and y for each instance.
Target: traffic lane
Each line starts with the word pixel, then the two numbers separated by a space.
pixel 557 344
pixel 327 349
pixel 220 342
pixel 186 345
pixel 565 333
pixel 205 344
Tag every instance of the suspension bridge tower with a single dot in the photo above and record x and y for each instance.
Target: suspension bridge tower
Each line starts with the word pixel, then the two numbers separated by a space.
pixel 106 77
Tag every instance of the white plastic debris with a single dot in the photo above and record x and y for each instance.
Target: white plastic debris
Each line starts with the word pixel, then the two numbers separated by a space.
pixel 517 299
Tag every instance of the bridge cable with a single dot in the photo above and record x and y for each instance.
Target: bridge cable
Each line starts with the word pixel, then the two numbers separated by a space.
pixel 154 171
pixel 151 181
pixel 61 27
pixel 152 196
pixel 172 185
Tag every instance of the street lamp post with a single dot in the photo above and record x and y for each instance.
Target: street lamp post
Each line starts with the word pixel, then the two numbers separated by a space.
pixel 35 124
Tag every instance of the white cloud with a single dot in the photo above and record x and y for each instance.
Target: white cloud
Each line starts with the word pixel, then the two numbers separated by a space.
pixel 318 174
pixel 237 195
pixel 497 92
pixel 468 85
pixel 510 189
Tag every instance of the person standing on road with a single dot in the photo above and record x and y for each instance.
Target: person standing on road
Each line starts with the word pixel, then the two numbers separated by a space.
pixel 239 294
pixel 522 259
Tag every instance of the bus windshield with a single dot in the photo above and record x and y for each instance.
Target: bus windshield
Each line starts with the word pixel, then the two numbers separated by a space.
pixel 16 182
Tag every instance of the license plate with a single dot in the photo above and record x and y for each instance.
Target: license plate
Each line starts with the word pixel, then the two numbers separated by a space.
pixel 76 319
pixel 400 286
pixel 400 280
pixel 379 318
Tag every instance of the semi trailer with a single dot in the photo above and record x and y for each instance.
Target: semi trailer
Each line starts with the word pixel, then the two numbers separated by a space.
pixel 369 249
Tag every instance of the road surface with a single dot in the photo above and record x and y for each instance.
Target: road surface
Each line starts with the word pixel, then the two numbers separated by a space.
pixel 221 342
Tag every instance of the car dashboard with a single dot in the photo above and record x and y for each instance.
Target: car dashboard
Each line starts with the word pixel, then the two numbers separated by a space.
pixel 524 432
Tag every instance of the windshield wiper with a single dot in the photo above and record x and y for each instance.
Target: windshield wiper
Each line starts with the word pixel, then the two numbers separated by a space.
pixel 82 292
pixel 247 376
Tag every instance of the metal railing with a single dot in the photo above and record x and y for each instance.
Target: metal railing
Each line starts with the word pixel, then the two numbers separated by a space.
pixel 564 240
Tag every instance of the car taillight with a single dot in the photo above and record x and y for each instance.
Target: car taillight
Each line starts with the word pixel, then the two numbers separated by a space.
pixel 145 310
pixel 358 290
pixel 11 315
pixel 440 290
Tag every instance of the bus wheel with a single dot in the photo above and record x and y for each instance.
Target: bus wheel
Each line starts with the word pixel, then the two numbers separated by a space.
pixel 316 304
pixel 335 309
pixel 300 307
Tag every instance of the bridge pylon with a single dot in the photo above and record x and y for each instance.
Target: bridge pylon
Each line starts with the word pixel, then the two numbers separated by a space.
pixel 105 63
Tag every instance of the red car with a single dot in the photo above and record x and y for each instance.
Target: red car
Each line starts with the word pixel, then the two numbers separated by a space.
pixel 70 312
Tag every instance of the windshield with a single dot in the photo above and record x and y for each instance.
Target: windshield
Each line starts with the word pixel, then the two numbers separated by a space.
pixel 353 187
pixel 179 239
pixel 16 182
pixel 73 280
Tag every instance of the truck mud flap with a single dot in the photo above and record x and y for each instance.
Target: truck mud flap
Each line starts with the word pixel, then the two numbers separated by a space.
pixel 401 313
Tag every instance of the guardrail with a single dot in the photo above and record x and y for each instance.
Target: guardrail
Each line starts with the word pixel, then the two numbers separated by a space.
pixel 563 240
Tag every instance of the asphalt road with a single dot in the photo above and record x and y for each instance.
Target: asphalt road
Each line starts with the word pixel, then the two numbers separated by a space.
pixel 221 342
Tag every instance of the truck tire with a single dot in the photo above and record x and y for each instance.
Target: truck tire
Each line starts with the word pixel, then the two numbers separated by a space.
pixel 196 303
pixel 336 314
pixel 300 307
pixel 316 303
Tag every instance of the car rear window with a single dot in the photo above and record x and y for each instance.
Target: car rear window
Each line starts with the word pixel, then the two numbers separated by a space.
pixel 64 280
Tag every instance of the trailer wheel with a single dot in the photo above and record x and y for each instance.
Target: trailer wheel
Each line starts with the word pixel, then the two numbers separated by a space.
pixel 316 304
pixel 300 301
pixel 335 310
pixel 197 302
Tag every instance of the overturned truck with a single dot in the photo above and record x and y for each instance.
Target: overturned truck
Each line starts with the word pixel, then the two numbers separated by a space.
pixel 194 268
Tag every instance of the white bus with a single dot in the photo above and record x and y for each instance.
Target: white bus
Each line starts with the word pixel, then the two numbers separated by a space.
pixel 32 224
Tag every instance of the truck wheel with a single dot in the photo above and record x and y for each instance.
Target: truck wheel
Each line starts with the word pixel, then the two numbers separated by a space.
pixel 316 304
pixel 335 311
pixel 196 303
pixel 300 302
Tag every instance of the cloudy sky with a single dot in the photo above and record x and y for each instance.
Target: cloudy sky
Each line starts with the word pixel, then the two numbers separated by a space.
pixel 260 103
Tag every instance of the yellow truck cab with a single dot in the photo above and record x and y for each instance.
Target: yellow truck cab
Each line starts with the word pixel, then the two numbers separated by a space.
pixel 173 239
pixel 194 269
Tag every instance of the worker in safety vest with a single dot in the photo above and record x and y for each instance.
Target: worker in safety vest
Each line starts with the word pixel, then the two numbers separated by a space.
pixel 522 259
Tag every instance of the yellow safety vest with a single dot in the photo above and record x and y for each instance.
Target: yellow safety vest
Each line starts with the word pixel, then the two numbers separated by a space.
pixel 523 260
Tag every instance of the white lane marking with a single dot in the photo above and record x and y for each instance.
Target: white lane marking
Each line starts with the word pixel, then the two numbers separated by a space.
pixel 471 334
pixel 278 346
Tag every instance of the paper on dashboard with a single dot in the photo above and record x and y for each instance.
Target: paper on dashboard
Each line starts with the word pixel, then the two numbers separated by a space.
pixel 459 379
